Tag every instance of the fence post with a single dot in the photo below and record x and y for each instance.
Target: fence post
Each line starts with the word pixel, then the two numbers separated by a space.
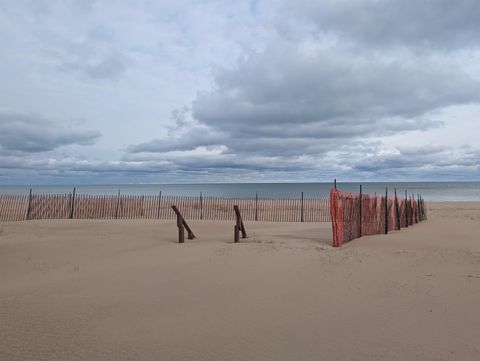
pixel 397 211
pixel 301 213
pixel 182 224
pixel 256 206
pixel 360 213
pixel 238 225
pixel 406 209
pixel 335 183
pixel 73 204
pixel 386 210
pixel 29 208
pixel 412 200
pixel 419 216
pixel 201 206
pixel 158 205
pixel 118 204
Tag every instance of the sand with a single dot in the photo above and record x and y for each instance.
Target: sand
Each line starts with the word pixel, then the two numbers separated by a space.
pixel 125 290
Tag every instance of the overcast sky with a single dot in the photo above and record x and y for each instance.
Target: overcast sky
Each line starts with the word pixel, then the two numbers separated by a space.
pixel 238 91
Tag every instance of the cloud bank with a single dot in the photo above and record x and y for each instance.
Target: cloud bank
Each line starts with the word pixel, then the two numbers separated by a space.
pixel 268 90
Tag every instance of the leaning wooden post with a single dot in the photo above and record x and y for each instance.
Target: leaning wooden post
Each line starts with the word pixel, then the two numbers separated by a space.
pixel 256 206
pixel 386 210
pixel 239 227
pixel 72 208
pixel 182 225
pixel 301 211
pixel 29 208
pixel 397 211
pixel 360 200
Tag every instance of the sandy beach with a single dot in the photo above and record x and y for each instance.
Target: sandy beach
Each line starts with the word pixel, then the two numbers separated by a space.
pixel 125 290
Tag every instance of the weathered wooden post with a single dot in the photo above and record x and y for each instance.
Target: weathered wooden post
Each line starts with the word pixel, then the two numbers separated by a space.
pixel 397 211
pixel 360 200
pixel 158 205
pixel 256 206
pixel 301 211
pixel 181 230
pixel 406 209
pixel 386 210
pixel 201 206
pixel 182 225
pixel 118 204
pixel 335 183
pixel 419 214
pixel 239 227
pixel 412 200
pixel 29 208
pixel 72 208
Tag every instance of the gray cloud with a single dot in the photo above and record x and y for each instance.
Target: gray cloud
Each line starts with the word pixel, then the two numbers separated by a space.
pixel 319 89
pixel 438 24
pixel 415 159
pixel 303 100
pixel 287 101
pixel 30 133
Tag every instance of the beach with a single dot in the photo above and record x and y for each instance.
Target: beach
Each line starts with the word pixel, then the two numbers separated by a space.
pixel 126 290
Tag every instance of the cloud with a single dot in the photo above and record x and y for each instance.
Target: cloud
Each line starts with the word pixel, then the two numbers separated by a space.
pixel 438 24
pixel 274 89
pixel 30 133
pixel 293 100
pixel 429 159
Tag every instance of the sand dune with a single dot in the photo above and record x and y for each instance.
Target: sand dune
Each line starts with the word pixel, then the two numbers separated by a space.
pixel 125 290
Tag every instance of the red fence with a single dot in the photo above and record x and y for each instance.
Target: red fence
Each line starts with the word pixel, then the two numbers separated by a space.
pixel 355 214
pixel 16 208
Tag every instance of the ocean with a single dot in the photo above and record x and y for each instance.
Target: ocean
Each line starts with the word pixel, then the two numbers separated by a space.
pixel 431 191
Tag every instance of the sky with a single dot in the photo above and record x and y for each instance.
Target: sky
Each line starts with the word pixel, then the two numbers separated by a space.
pixel 156 91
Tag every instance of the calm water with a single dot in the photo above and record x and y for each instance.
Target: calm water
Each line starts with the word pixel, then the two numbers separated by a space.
pixel 434 191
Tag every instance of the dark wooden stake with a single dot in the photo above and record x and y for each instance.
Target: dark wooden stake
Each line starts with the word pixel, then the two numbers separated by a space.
pixel 201 206
pixel 335 183
pixel 73 204
pixel 386 210
pixel 256 206
pixel 182 225
pixel 397 211
pixel 29 208
pixel 118 204
pixel 301 211
pixel 159 201
pixel 238 226
pixel 406 210
pixel 412 199
pixel 360 212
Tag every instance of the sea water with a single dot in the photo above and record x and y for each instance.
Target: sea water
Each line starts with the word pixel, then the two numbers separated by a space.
pixel 432 191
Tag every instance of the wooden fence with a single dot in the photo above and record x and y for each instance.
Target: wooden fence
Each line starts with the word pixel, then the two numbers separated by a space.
pixel 65 206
